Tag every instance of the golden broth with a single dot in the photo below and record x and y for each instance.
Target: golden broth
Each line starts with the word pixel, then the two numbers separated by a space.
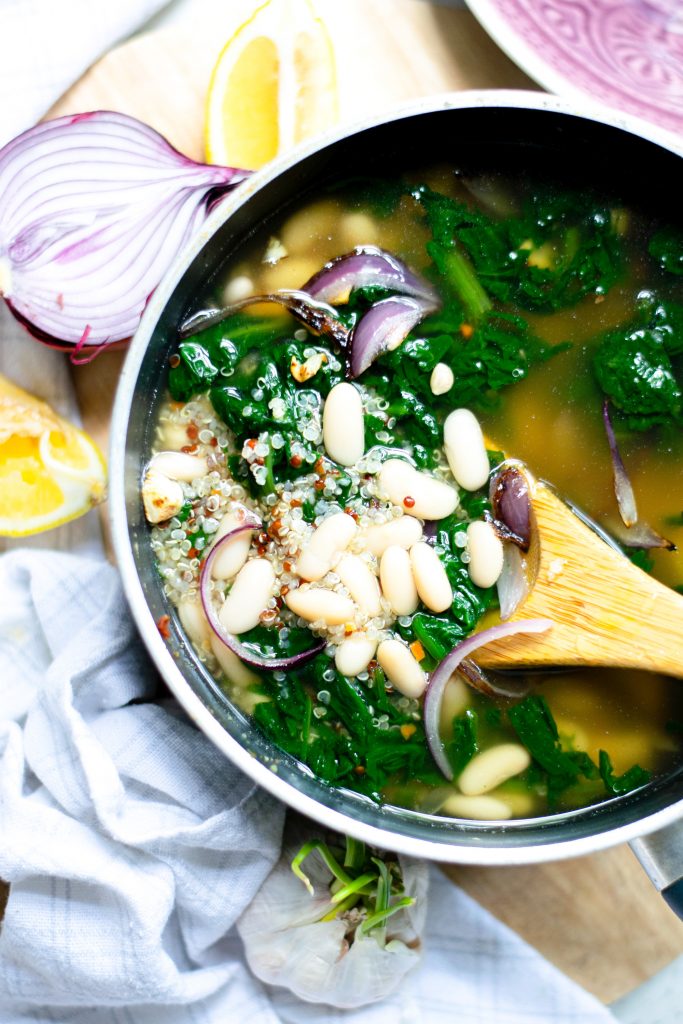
pixel 553 421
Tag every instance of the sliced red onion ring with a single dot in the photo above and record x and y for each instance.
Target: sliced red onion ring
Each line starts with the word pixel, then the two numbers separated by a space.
pixel 623 490
pixel 385 325
pixel 637 534
pixel 509 494
pixel 251 522
pixel 445 669
pixel 93 209
pixel 513 583
pixel 317 316
pixel 492 684
pixel 367 266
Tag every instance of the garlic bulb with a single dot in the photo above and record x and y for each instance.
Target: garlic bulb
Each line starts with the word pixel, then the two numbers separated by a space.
pixel 288 941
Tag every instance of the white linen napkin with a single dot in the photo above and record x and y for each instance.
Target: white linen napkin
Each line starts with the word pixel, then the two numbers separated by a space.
pixel 132 846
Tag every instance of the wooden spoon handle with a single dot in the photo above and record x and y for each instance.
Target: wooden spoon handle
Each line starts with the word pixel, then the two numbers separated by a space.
pixel 605 610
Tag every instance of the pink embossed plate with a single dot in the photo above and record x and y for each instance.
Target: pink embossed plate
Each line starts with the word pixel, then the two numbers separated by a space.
pixel 627 54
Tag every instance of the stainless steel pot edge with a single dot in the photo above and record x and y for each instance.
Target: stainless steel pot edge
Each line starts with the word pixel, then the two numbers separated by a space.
pixel 197 711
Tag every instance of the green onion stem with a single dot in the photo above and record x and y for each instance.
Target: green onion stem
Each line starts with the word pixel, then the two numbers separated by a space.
pixel 461 276
pixel 359 885
pixel 328 857
pixel 355 853
pixel 379 917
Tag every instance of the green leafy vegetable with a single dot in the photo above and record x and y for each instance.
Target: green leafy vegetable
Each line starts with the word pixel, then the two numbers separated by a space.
pixel 634 370
pixel 666 246
pixel 464 745
pixel 634 778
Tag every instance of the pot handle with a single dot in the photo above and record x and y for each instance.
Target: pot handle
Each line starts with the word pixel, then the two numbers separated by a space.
pixel 661 854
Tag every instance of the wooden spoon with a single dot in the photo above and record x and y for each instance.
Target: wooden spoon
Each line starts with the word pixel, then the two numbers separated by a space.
pixel 605 610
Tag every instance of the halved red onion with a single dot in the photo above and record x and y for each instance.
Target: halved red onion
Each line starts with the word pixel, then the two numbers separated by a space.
pixel 448 665
pixel 509 494
pixel 251 522
pixel 637 534
pixel 367 266
pixel 385 325
pixel 93 209
pixel 318 317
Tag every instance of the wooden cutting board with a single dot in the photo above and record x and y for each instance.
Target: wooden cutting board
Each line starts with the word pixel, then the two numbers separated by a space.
pixel 597 918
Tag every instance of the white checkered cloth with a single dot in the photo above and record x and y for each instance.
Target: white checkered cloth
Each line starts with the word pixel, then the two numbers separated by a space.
pixel 133 845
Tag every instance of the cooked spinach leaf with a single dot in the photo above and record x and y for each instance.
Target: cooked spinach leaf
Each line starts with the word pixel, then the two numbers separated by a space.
pixel 666 246
pixel 634 370
pixel 634 778
pixel 464 744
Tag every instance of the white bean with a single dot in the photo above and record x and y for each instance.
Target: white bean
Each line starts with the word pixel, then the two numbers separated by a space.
pixel 332 536
pixel 179 466
pixel 233 553
pixel 456 698
pixel 418 494
pixel 482 808
pixel 398 584
pixel 248 597
pixel 194 621
pixel 441 380
pixel 404 532
pixel 313 603
pixel 433 585
pixel 173 436
pixel 360 582
pixel 162 498
pixel 354 654
pixel 358 228
pixel 401 668
pixel 465 449
pixel 492 767
pixel 240 287
pixel 233 668
pixel 486 553
pixel 343 425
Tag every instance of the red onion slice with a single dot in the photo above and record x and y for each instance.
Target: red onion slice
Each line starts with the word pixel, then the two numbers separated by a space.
pixel 251 522
pixel 385 325
pixel 513 583
pixel 367 266
pixel 637 534
pixel 509 495
pixel 445 669
pixel 317 316
pixel 93 210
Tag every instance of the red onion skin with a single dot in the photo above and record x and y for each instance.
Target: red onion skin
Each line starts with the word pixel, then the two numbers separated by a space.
pixel 512 504
pixel 251 522
pixel 320 318
pixel 378 329
pixel 363 267
pixel 447 666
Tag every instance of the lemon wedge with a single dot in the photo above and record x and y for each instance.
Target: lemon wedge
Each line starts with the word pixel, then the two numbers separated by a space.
pixel 50 472
pixel 273 85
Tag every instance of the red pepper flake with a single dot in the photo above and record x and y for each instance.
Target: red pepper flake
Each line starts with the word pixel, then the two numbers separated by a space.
pixel 192 431
pixel 409 502
pixel 275 526
pixel 262 537
pixel 261 550
pixel 296 503
pixel 287 566
pixel 174 361
pixel 359 769
pixel 319 485
pixel 189 449
pixel 467 330
pixel 214 442
pixel 192 553
pixel 284 591
pixel 252 442
pixel 319 467
pixel 295 462
pixel 162 626
pixel 407 731
pixel 352 512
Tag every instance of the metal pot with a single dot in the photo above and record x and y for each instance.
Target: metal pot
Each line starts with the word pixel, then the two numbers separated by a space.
pixel 514 131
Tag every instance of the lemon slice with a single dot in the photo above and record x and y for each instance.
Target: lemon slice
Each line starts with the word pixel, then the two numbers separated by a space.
pixel 50 472
pixel 273 85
